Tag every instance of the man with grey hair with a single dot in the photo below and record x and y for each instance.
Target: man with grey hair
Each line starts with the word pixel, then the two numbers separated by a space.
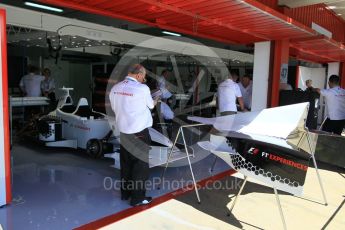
pixel 131 102
pixel 309 85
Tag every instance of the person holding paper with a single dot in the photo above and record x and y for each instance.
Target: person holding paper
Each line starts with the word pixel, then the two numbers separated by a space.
pixel 131 102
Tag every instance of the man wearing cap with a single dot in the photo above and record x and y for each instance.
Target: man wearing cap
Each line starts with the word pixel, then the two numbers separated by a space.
pixel 131 102
pixel 335 104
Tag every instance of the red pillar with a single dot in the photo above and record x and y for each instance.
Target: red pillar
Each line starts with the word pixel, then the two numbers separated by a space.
pixel 4 124
pixel 342 74
pixel 281 56
pixel 297 76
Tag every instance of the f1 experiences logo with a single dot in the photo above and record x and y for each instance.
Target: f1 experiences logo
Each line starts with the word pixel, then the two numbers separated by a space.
pixel 253 151
pixel 273 157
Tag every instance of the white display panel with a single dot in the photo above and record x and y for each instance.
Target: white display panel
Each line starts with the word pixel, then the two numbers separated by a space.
pixel 278 122
pixel 317 75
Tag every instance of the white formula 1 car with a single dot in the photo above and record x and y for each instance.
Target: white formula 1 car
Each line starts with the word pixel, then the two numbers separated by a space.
pixel 81 127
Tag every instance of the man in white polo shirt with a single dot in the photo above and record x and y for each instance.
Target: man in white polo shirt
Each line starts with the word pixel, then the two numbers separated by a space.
pixel 228 92
pixel 131 102
pixel 335 104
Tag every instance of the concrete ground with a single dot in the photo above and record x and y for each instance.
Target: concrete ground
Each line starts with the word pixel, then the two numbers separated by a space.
pixel 62 188
pixel 256 208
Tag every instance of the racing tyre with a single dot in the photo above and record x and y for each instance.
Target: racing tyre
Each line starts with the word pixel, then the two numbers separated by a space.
pixel 94 148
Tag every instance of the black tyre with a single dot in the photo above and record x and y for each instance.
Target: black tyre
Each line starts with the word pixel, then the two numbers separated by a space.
pixel 94 148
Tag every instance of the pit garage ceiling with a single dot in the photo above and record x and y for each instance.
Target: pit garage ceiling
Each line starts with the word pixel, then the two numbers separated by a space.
pixel 228 22
pixel 237 21
pixel 317 49
pixel 338 6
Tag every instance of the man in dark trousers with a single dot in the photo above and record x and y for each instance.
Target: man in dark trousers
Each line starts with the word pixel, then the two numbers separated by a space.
pixel 131 102
pixel 335 104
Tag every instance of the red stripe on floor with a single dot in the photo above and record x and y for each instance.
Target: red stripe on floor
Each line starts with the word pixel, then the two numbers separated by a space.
pixel 159 200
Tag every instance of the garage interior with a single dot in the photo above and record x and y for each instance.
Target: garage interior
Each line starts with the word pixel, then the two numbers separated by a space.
pixel 88 46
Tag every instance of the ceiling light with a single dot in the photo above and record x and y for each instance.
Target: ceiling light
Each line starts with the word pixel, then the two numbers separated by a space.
pixel 332 7
pixel 74 37
pixel 87 40
pixel 89 44
pixel 171 33
pixel 39 38
pixel 53 40
pixel 339 14
pixel 43 7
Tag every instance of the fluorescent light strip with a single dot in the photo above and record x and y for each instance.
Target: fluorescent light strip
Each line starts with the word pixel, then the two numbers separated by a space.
pixel 43 7
pixel 171 33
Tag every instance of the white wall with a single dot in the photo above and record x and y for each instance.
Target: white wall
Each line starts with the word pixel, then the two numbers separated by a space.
pixel 260 75
pixel 333 68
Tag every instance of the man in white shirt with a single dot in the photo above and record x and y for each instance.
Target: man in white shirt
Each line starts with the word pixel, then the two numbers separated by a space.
pixel 235 76
pixel 161 85
pixel 228 92
pixel 246 87
pixel 30 84
pixel 131 102
pixel 335 104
